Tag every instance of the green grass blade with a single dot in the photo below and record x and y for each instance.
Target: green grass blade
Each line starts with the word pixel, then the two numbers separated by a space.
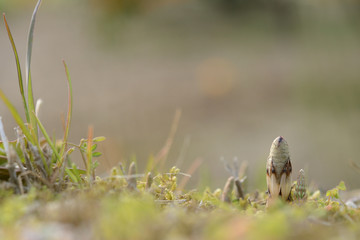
pixel 30 41
pixel 71 175
pixel 30 99
pixel 69 114
pixel 80 171
pixel 21 84
pixel 33 124
pixel 46 136
pixel 17 117
pixel 49 141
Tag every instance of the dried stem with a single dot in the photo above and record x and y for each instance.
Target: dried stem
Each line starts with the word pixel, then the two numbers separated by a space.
pixel 132 180
pixel 228 188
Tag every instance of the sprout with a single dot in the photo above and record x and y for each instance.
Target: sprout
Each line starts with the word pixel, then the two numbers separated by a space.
pixel 278 170
pixel 300 189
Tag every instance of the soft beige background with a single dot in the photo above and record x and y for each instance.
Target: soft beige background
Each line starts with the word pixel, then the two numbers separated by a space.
pixel 240 82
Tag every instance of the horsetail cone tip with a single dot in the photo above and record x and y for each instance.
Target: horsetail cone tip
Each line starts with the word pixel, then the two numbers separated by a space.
pixel 278 170
pixel 300 189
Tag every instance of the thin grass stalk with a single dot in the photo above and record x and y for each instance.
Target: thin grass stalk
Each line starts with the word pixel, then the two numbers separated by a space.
pixel 69 114
pixel 21 84
pixel 44 181
pixel 194 166
pixel 11 166
pixel 48 140
pixel 30 97
pixel 32 126
pixel 164 152
pixel 60 169
pixel 22 169
pixel 30 43
pixel 48 169
pixel 183 151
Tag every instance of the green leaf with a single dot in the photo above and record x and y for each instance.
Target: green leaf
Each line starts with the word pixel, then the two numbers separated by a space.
pixel 99 139
pixel 93 147
pixel 341 186
pixel 334 193
pixel 21 84
pixel 95 164
pixel 69 151
pixel 328 193
pixel 96 154
pixel 17 117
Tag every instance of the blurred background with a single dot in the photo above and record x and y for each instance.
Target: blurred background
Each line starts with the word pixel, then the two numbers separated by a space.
pixel 242 72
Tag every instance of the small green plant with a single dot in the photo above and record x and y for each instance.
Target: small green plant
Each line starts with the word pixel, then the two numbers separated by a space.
pixel 334 193
pixel 33 160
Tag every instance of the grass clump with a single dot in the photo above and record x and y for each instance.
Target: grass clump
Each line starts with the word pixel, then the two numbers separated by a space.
pixel 35 159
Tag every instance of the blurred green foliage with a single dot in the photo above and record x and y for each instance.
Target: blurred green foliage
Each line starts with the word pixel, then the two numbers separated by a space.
pixel 112 7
